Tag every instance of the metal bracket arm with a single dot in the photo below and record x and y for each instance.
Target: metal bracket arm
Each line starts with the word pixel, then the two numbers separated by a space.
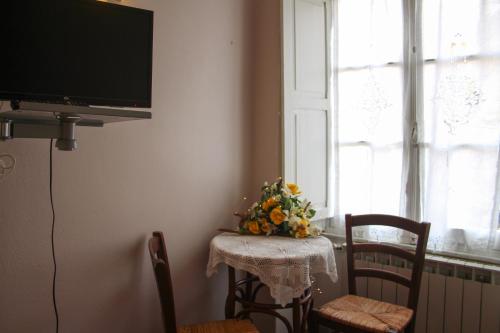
pixel 63 131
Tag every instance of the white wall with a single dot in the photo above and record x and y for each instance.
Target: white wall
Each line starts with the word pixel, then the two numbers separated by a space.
pixel 183 173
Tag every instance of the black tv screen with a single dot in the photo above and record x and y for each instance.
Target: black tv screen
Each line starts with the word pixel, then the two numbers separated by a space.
pixel 79 52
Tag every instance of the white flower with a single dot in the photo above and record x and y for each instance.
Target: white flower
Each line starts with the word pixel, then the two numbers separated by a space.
pixel 294 210
pixel 294 221
pixel 287 214
pixel 315 230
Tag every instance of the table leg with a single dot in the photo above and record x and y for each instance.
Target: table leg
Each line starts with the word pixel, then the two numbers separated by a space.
pixel 296 315
pixel 249 287
pixel 248 290
pixel 306 313
pixel 231 293
pixel 300 306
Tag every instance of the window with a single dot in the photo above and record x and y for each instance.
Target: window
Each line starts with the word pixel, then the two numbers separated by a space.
pixel 414 123
pixel 369 104
pixel 418 115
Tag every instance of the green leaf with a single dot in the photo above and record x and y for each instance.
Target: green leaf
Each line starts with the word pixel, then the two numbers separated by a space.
pixel 288 204
pixel 310 213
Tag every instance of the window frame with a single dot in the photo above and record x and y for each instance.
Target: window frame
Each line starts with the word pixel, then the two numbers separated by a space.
pixel 413 65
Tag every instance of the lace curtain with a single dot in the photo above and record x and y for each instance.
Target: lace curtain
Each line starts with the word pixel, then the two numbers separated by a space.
pixel 417 130
pixel 460 122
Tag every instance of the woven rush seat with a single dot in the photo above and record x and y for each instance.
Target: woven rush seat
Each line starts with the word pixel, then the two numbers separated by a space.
pixel 222 326
pixel 367 314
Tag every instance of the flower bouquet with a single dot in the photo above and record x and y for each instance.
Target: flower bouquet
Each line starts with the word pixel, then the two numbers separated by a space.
pixel 280 211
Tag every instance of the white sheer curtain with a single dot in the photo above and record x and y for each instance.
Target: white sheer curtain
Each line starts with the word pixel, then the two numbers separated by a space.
pixel 368 58
pixel 460 122
pixel 417 130
pixel 369 135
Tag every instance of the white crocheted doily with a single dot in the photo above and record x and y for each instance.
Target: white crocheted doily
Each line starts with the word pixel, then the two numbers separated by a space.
pixel 284 264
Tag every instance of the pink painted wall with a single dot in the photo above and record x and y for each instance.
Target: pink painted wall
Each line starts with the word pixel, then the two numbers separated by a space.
pixel 266 133
pixel 183 173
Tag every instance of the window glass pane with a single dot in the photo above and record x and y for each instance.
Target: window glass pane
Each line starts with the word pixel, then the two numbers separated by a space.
pixel 369 179
pixel 370 105
pixel 451 28
pixel 467 193
pixel 462 103
pixel 369 32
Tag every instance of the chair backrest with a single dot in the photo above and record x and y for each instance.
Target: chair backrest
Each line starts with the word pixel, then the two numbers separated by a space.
pixel 159 259
pixel 417 257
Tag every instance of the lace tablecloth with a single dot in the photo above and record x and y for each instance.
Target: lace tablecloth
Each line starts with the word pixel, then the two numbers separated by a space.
pixel 283 264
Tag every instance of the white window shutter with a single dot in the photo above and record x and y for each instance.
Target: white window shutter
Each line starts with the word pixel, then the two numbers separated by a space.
pixel 306 99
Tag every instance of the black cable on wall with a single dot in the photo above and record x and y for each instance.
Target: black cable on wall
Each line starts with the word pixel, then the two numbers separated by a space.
pixel 54 301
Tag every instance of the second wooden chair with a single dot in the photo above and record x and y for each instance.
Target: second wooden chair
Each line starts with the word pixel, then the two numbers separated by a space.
pixel 353 313
pixel 158 252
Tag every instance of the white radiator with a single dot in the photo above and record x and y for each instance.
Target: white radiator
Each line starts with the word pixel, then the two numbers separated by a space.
pixel 455 296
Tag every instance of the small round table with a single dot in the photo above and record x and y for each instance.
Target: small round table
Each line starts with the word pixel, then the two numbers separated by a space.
pixel 283 264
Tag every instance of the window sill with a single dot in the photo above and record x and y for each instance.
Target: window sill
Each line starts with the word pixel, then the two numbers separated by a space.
pixel 491 261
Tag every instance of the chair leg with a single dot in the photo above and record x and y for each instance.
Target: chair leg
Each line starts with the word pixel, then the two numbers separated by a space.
pixel 312 322
pixel 411 326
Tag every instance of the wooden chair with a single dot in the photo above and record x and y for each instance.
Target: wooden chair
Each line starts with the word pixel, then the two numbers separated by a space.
pixel 353 313
pixel 159 258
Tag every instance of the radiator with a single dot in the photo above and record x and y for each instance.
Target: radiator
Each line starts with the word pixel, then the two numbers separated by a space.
pixel 455 297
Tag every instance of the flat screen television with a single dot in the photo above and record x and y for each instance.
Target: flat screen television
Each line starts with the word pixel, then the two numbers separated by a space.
pixel 78 52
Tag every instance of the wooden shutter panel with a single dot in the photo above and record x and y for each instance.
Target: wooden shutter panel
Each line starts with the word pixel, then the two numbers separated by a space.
pixel 306 99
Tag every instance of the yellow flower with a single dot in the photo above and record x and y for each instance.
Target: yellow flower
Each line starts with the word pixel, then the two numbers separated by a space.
pixel 304 222
pixel 269 203
pixel 277 216
pixel 253 227
pixel 264 226
pixel 294 188
pixel 302 231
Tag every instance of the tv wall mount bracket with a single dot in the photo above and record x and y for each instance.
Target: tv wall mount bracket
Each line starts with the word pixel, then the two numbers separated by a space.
pixel 57 121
